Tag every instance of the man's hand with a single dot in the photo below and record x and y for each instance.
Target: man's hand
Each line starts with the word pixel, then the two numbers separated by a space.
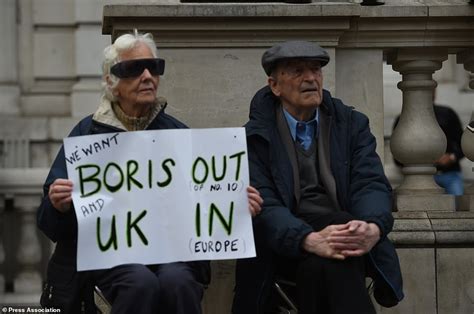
pixel 355 239
pixel 446 159
pixel 60 194
pixel 318 242
pixel 255 201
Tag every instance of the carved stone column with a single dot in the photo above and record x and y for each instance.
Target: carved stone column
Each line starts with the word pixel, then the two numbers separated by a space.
pixel 466 57
pixel 28 279
pixel 9 88
pixel 23 185
pixel 418 141
pixel 2 244
pixel 466 201
pixel 467 141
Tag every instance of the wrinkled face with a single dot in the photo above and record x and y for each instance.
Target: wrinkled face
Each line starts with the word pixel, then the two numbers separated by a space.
pixel 299 84
pixel 133 93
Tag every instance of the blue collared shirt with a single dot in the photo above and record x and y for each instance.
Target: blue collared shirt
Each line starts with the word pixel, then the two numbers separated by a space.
pixel 305 129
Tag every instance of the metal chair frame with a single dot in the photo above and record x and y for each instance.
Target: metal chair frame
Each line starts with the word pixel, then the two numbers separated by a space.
pixel 103 306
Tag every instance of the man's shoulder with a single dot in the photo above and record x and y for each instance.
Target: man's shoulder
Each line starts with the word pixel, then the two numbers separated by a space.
pixel 338 108
pixel 262 113
pixel 263 103
pixel 334 103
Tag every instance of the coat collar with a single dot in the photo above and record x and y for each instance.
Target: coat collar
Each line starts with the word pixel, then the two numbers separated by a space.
pixel 263 111
pixel 106 115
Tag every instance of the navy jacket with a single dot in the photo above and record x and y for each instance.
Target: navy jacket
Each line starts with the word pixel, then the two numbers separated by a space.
pixel 361 186
pixel 65 287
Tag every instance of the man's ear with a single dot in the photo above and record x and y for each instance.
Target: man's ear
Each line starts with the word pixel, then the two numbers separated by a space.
pixel 274 86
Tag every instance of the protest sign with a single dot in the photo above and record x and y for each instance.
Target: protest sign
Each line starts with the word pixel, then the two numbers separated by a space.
pixel 160 196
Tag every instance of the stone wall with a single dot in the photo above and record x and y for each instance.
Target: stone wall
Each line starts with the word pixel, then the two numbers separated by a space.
pixel 50 75
pixel 50 67
pixel 50 78
pixel 436 257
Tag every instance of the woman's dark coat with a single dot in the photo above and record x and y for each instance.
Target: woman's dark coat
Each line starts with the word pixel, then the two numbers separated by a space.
pixel 66 288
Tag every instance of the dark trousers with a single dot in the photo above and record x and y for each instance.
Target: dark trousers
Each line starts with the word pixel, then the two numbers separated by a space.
pixel 329 286
pixel 165 288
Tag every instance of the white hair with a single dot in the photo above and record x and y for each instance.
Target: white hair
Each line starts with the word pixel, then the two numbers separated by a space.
pixel 111 56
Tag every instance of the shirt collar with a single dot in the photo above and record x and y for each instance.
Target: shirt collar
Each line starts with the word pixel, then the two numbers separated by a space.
pixel 292 122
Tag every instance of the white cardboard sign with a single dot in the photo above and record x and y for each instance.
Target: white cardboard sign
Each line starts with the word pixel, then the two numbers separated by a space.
pixel 160 196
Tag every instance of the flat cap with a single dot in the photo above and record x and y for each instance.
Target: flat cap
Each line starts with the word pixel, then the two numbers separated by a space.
pixel 293 49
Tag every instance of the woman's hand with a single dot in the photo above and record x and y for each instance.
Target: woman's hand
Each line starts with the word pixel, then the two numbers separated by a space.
pixel 60 194
pixel 255 201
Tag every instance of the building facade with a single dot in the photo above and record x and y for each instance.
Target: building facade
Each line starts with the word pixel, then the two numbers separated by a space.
pixel 382 58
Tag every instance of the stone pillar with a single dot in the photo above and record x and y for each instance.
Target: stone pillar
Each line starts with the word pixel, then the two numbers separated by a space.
pixel 9 92
pixel 359 83
pixel 89 45
pixel 418 140
pixel 23 187
pixel 2 244
pixel 466 201
pixel 467 140
pixel 28 279
pixel 466 57
pixel 9 88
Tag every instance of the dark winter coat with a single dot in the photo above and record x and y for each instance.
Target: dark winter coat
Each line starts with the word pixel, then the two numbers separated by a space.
pixel 361 187
pixel 66 288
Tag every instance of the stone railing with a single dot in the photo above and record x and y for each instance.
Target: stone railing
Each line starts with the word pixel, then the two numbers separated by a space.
pixel 23 250
pixel 213 69
pixel 436 251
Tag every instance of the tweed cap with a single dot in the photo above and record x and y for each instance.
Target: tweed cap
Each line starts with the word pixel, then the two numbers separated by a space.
pixel 293 49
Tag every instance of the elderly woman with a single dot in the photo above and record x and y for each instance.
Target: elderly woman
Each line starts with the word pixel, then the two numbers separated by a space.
pixel 131 75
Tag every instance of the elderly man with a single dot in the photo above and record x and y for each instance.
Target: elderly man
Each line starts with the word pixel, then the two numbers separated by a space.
pixel 327 203
pixel 131 74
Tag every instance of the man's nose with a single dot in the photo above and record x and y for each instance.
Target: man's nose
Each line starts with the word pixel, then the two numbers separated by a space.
pixel 309 75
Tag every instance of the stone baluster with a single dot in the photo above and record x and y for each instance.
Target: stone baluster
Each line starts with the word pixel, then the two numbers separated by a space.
pixel 9 87
pixel 23 186
pixel 467 141
pixel 9 96
pixel 418 141
pixel 466 202
pixel 2 244
pixel 466 57
pixel 28 279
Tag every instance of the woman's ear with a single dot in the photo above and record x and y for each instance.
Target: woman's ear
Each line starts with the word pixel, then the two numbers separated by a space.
pixel 110 84
pixel 108 80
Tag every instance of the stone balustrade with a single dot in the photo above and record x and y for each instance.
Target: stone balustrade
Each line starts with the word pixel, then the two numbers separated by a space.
pixel 22 252
pixel 418 140
pixel 436 254
pixel 467 141
pixel 213 69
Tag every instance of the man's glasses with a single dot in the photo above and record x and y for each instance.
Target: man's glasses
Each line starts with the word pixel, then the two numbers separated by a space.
pixel 135 67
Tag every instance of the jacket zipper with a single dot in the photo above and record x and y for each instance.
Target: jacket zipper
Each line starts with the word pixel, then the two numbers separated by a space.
pixel 348 159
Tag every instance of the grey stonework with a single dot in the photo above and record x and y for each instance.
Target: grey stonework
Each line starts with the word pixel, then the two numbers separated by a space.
pixel 50 78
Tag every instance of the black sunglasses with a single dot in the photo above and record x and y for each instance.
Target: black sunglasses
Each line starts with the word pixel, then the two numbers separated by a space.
pixel 135 67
